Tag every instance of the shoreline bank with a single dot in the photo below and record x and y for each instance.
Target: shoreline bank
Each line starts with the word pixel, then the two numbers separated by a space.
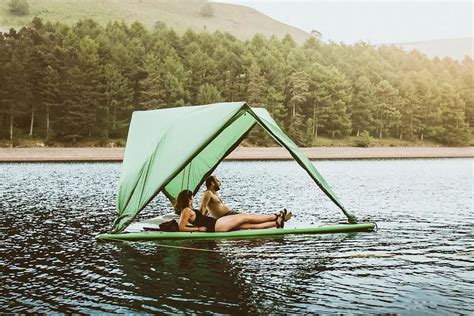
pixel 91 154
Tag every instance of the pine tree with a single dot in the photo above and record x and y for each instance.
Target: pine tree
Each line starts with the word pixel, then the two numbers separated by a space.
pixel 275 105
pixel 117 95
pixel 454 130
pixel 362 105
pixel 226 62
pixel 35 67
pixel 153 94
pixel 296 130
pixel 425 115
pixel 298 86
pixel 17 86
pixel 50 97
pixel 136 72
pixel 4 57
pixel 320 97
pixel 51 92
pixel 175 80
pixel 200 66
pixel 88 80
pixel 74 116
pixel 387 114
pixel 208 93
pixel 309 133
pixel 466 88
pixel 256 86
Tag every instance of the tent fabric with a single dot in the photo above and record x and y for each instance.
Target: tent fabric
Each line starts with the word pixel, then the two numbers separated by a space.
pixel 170 150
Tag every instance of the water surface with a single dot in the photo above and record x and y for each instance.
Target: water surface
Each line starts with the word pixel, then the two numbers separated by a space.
pixel 420 261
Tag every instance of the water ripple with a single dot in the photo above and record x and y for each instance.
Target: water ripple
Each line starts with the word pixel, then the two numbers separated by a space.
pixel 420 261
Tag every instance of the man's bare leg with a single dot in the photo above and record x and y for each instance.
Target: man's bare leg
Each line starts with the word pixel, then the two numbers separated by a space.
pixel 231 222
pixel 258 219
pixel 257 226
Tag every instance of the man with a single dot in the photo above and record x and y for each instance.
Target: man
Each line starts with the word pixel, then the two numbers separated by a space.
pixel 212 202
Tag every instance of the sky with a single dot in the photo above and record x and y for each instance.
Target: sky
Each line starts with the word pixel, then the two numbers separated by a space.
pixel 382 21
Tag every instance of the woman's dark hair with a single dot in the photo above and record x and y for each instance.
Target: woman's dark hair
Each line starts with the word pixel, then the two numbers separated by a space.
pixel 182 201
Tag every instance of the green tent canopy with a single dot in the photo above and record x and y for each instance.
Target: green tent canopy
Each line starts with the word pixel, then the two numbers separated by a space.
pixel 170 150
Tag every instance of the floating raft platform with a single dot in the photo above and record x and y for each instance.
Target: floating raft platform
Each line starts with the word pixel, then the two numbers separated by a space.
pixel 249 233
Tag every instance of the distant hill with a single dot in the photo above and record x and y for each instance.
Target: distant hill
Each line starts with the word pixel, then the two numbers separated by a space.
pixel 455 48
pixel 243 22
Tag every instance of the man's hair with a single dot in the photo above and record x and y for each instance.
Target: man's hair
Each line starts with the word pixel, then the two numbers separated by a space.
pixel 209 181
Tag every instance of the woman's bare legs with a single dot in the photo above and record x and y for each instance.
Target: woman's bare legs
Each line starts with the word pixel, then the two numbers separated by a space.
pixel 230 222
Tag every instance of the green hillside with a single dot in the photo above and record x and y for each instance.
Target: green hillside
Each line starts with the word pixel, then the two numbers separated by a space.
pixel 241 21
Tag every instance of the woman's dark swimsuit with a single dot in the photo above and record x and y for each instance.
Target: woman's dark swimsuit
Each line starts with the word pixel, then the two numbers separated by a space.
pixel 202 220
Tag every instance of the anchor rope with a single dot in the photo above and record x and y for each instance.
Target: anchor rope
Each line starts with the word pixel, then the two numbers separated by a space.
pixel 192 248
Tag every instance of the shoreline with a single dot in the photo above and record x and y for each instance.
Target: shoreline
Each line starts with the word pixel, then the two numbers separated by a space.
pixel 103 154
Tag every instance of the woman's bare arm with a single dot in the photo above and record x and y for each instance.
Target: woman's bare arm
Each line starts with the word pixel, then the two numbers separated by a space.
pixel 184 221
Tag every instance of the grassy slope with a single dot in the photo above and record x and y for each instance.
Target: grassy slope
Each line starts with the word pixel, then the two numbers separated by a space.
pixel 241 21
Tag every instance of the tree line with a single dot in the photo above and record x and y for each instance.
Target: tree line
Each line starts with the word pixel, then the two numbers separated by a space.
pixel 67 83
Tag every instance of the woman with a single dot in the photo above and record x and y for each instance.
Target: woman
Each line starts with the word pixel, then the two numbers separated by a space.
pixel 201 223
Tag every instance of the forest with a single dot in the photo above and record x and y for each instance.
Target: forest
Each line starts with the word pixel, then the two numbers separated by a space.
pixel 66 84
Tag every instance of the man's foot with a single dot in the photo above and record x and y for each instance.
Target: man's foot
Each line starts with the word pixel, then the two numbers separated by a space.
pixel 280 220
pixel 283 216
pixel 287 215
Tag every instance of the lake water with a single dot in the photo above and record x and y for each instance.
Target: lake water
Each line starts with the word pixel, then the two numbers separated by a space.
pixel 420 261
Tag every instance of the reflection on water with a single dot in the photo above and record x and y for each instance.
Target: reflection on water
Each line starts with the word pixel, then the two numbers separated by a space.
pixel 420 261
